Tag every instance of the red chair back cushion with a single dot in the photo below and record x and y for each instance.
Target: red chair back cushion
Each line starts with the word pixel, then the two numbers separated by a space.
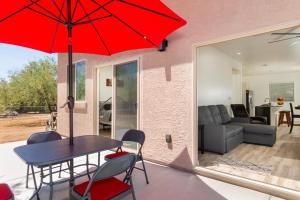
pixel 115 155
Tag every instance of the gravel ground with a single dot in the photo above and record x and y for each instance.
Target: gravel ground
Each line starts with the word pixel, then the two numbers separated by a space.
pixel 21 127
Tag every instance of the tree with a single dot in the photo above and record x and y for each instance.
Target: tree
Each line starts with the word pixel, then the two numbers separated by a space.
pixel 35 85
pixel 4 95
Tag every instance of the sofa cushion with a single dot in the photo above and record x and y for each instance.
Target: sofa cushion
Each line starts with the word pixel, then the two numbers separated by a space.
pixel 204 116
pixel 232 131
pixel 224 114
pixel 215 114
pixel 257 128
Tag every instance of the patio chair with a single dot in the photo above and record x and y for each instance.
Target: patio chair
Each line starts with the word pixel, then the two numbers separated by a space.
pixel 138 137
pixel 104 185
pixel 5 192
pixel 41 137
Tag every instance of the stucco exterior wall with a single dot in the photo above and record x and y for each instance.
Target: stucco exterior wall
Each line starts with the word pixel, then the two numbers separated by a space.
pixel 166 79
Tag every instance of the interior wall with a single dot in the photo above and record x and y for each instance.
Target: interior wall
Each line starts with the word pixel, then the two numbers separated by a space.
pixel 105 91
pixel 260 85
pixel 215 71
pixel 237 89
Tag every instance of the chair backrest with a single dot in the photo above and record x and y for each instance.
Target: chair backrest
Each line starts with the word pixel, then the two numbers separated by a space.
pixel 41 137
pixel 239 110
pixel 113 168
pixel 292 109
pixel 134 135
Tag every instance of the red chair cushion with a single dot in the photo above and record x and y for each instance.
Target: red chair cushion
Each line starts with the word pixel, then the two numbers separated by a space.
pixel 103 189
pixel 115 155
pixel 5 192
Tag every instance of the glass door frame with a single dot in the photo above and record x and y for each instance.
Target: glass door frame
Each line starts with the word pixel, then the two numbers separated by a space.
pixel 113 66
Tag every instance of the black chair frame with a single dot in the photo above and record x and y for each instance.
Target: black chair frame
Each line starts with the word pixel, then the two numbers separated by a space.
pixel 293 116
pixel 109 170
pixel 138 137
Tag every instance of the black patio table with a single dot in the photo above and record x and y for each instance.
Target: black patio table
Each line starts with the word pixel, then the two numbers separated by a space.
pixel 50 153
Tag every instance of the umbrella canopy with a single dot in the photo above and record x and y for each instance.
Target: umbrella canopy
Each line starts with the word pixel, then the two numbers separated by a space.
pixel 85 26
pixel 98 26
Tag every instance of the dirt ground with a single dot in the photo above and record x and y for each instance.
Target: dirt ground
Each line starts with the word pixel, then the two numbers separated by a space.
pixel 21 127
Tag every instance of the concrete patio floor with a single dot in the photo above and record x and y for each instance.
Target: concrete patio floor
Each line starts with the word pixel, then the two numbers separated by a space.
pixel 165 182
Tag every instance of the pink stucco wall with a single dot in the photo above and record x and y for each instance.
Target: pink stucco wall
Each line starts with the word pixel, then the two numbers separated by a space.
pixel 166 79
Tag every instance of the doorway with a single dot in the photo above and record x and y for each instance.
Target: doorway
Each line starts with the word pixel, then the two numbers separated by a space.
pixel 226 71
pixel 105 91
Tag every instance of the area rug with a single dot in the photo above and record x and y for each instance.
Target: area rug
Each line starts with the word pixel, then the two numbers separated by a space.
pixel 234 163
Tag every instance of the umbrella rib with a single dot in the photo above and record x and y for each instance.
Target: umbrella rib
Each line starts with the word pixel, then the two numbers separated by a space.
pixel 46 10
pixel 149 10
pixel 75 7
pixel 48 16
pixel 17 11
pixel 92 12
pixel 57 26
pixel 92 20
pixel 95 29
pixel 128 26
pixel 59 9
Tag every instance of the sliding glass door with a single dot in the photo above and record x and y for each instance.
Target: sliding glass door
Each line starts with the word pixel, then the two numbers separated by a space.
pixel 118 99
pixel 126 99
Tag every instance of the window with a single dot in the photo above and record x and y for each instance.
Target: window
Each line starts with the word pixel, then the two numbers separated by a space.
pixel 79 80
pixel 285 90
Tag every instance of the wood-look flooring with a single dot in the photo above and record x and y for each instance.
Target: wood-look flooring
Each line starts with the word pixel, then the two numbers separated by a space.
pixel 283 159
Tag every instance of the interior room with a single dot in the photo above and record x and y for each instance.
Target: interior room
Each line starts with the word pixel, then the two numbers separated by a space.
pixel 248 95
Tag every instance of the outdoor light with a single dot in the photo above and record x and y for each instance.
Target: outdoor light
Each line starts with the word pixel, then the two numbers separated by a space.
pixel 163 46
pixel 168 138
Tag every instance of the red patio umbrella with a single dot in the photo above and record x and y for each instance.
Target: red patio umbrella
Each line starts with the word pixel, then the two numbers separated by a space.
pixel 85 26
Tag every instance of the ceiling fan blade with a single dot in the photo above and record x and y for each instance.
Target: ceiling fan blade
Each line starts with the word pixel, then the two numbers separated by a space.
pixel 285 33
pixel 294 43
pixel 284 39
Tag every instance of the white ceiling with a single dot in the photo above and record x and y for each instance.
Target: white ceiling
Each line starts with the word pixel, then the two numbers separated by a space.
pixel 259 56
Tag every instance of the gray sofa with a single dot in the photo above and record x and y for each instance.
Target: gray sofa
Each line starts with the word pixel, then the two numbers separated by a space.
pixel 222 133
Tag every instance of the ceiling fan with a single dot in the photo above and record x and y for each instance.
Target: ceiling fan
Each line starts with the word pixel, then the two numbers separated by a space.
pixel 293 36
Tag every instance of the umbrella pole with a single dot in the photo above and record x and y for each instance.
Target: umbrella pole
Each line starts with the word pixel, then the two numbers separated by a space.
pixel 70 72
pixel 70 85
